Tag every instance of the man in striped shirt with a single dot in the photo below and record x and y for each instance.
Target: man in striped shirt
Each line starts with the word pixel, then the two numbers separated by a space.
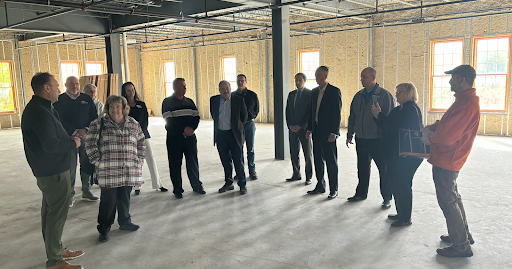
pixel 182 119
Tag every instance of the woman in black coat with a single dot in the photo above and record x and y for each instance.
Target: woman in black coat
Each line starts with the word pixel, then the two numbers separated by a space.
pixel 401 169
pixel 139 112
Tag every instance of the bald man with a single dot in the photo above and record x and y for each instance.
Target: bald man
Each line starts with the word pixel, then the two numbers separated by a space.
pixel 76 112
pixel 361 123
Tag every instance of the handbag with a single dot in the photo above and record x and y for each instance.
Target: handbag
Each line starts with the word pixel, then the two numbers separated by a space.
pixel 410 144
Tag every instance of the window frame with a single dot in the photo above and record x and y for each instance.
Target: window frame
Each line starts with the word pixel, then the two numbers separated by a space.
pixel 103 66
pixel 223 73
pixel 13 89
pixel 431 70
pixel 507 74
pixel 299 61
pixel 63 80
pixel 164 77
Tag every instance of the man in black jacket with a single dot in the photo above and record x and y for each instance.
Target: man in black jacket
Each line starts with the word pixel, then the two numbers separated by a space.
pixel 297 121
pixel 229 114
pixel 77 111
pixel 182 118
pixel 324 124
pixel 48 148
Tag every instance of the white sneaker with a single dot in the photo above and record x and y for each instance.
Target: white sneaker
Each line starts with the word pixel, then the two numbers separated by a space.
pixel 71 202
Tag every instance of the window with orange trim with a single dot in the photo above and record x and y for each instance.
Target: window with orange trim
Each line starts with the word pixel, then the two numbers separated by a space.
pixel 309 61
pixel 229 71
pixel 491 59
pixel 169 76
pixel 67 69
pixel 94 68
pixel 444 55
pixel 8 101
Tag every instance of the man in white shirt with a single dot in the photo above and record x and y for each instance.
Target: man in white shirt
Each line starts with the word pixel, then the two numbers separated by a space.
pixel 91 90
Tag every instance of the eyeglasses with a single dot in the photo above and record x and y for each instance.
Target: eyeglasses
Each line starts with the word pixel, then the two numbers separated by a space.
pixel 397 93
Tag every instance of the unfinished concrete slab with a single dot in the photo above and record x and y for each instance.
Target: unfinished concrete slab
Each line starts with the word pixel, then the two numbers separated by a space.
pixel 276 225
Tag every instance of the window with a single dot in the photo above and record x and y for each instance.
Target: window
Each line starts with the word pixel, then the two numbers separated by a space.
pixel 68 69
pixel 169 76
pixel 445 55
pixel 491 59
pixel 8 104
pixel 229 71
pixel 94 68
pixel 309 61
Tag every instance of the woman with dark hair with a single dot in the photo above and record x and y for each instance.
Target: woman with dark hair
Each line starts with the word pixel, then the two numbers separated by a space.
pixel 139 112
pixel 401 168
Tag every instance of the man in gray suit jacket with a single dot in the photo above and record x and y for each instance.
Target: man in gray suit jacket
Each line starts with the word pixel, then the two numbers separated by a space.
pixel 297 121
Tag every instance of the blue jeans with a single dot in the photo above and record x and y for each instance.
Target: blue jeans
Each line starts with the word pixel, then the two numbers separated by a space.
pixel 250 131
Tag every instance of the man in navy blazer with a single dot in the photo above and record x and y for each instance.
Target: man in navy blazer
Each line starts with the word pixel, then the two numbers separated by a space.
pixel 297 121
pixel 229 113
pixel 324 125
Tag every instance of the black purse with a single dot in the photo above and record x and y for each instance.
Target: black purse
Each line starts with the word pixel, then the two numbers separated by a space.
pixel 410 144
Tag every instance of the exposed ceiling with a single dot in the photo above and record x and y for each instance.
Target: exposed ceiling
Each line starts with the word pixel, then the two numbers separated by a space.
pixel 147 21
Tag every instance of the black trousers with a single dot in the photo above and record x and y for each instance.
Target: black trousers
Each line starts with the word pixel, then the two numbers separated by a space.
pixel 325 152
pixel 402 172
pixel 230 154
pixel 177 146
pixel 296 140
pixel 368 149
pixel 110 200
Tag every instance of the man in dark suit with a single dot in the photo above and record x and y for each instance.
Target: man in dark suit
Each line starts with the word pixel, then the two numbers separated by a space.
pixel 324 124
pixel 297 121
pixel 229 114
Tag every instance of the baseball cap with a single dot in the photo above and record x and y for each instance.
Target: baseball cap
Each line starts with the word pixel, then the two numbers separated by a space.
pixel 466 71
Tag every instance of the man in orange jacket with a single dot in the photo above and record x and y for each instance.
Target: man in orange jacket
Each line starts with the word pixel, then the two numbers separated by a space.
pixel 451 140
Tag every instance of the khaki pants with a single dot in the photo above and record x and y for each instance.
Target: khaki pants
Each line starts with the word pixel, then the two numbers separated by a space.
pixel 451 203
pixel 56 191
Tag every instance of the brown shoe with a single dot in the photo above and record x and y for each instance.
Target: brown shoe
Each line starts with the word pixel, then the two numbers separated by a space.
pixel 69 255
pixel 65 265
pixel 453 252
pixel 446 238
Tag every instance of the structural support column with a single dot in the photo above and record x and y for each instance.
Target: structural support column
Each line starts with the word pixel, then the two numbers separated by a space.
pixel 113 54
pixel 126 60
pixel 281 69
pixel 194 60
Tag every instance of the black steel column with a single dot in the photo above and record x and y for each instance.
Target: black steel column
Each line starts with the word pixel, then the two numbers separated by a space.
pixel 113 54
pixel 281 69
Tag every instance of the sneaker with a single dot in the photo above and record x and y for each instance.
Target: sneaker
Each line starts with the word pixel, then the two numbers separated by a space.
pixel 129 227
pixel 453 252
pixel 87 196
pixel 71 202
pixel 163 189
pixel 400 223
pixel 137 192
pixel 386 204
pixel 69 255
pixel 104 238
pixel 253 175
pixel 446 238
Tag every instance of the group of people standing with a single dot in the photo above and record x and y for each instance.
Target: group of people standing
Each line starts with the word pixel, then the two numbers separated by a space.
pixel 112 142
pixel 313 118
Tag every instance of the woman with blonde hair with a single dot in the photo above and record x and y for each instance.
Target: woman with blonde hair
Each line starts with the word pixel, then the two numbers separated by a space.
pixel 115 145
pixel 401 169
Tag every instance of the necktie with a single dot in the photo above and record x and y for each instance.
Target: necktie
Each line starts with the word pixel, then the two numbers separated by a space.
pixel 296 103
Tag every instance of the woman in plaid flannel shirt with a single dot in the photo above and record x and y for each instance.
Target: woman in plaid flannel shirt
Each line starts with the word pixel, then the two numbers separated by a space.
pixel 115 145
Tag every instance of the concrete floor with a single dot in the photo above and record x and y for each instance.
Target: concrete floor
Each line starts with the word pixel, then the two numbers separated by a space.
pixel 276 225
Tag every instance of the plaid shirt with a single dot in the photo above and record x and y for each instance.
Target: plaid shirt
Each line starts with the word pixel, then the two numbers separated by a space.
pixel 121 152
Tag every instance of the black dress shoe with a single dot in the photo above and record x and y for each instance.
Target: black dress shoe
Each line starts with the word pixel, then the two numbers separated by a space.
pixel 253 175
pixel 137 192
pixel 162 189
pixel 400 223
pixel 226 187
pixel 316 191
pixel 386 204
pixel 293 179
pixel 393 216
pixel 178 195
pixel 308 182
pixel 200 191
pixel 104 238
pixel 356 198
pixel 243 190
pixel 332 195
